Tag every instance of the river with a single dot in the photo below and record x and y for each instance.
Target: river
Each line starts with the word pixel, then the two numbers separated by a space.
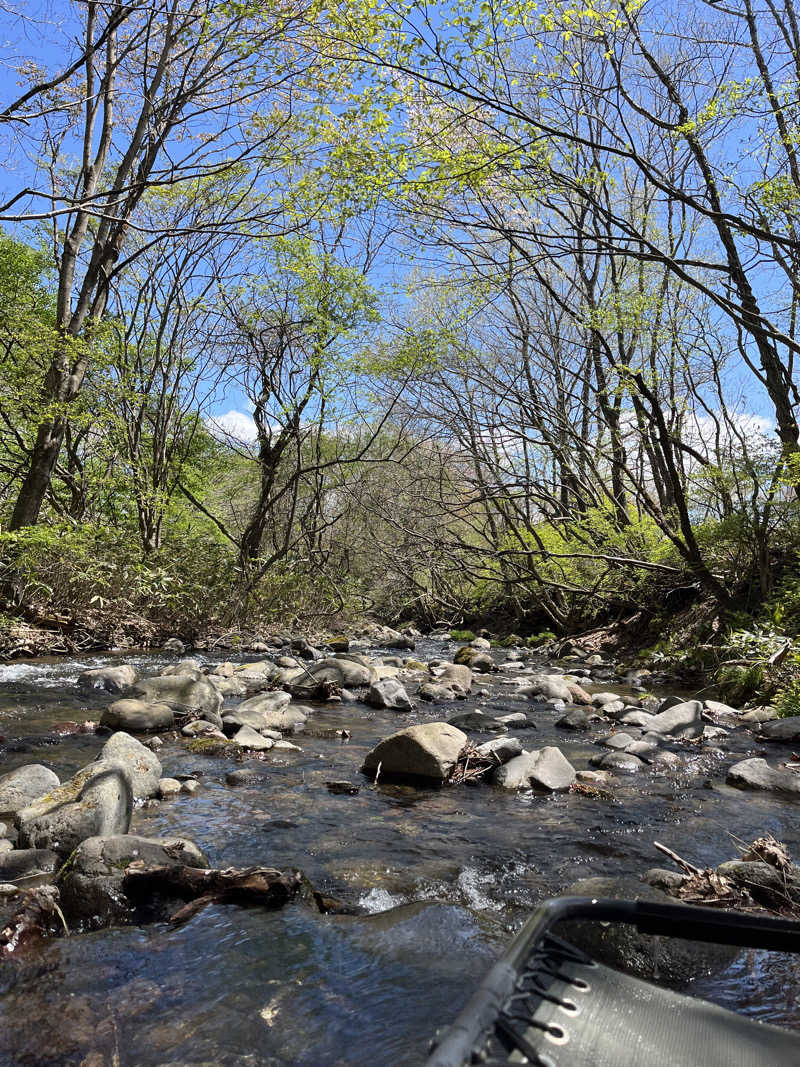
pixel 445 877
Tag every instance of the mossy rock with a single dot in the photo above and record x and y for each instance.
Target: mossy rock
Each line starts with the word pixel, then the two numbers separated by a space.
pixel 512 641
pixel 465 655
pixel 462 635
pixel 415 665
pixel 211 746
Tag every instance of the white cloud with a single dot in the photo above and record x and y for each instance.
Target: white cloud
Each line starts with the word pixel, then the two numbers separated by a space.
pixel 233 426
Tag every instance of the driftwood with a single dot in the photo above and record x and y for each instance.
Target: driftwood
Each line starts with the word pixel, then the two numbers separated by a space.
pixel 262 886
pixel 36 917
pixel 472 765
pixel 763 879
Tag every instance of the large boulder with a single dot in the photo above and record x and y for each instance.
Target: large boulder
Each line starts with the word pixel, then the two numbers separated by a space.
pixel 389 693
pixel 428 750
pixel 92 886
pixel 183 693
pixel 97 801
pixel 757 774
pixel 546 769
pixel 681 720
pixel 22 786
pixel 110 679
pixel 137 715
pixel 142 765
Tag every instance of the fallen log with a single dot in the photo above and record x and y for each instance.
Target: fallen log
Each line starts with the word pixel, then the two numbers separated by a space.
pixel 262 886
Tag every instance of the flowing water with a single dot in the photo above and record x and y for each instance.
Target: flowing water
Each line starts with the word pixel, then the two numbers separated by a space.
pixel 445 876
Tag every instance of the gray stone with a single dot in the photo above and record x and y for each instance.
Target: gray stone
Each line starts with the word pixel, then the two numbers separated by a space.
pixel 249 738
pixel 661 878
pixel 786 730
pixel 717 709
pixel 343 671
pixel 601 699
pixel 22 786
pixel 285 719
pixel 92 886
pixel 478 721
pixel 389 693
pixel 183 693
pixel 765 883
pixel 168 787
pixel 25 865
pixel 638 718
pixel 174 645
pixel 620 763
pixel 202 728
pixel 501 749
pixel 672 960
pixel 551 687
pixel 142 765
pixel 137 715
pixel 642 749
pixel 761 714
pixel 109 679
pixel 285 746
pixel 427 750
pixel 266 702
pixel 458 676
pixel 574 719
pixel 681 720
pixel 757 774
pixel 621 741
pixel 438 693
pixel 97 801
pixel 544 769
pixel 228 687
pixel 514 718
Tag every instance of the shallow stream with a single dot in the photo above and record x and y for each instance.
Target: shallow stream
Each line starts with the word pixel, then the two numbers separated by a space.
pixel 445 875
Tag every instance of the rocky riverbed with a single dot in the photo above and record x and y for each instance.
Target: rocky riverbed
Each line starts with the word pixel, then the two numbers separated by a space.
pixel 429 794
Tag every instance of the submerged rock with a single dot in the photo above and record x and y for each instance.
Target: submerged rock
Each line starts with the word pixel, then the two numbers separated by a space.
pixel 97 801
pixel 428 750
pixel 574 719
pixel 672 960
pixel 22 786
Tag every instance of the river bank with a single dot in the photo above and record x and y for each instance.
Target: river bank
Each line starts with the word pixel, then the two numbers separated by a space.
pixel 439 876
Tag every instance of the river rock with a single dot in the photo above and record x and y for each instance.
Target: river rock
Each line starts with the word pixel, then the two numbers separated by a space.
pixel 339 644
pixel 786 730
pixel 674 961
pixel 501 749
pixel 545 769
pixel 601 699
pixel 757 774
pixel 457 676
pixel 228 687
pixel 438 693
pixel 185 666
pixel 478 721
pixel 265 703
pixel 283 719
pixel 765 883
pixel 142 765
pixel 110 679
pixel 620 741
pixel 137 715
pixel 24 866
pixel 578 693
pixel 389 693
pixel 168 788
pixel 427 750
pixel 22 786
pixel 681 720
pixel 247 737
pixel 97 801
pixel 574 719
pixel 619 763
pixel 91 888
pixel 174 645
pixel 547 687
pixel 637 717
pixel 394 639
pixel 717 710
pixel 201 728
pixel 344 671
pixel 760 714
pixel 183 693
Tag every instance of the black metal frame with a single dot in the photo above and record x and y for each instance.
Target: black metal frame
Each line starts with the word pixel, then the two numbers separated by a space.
pixel 693 923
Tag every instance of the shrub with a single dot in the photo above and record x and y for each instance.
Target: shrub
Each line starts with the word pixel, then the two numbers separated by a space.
pixel 787 700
